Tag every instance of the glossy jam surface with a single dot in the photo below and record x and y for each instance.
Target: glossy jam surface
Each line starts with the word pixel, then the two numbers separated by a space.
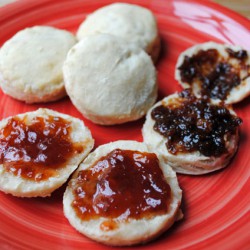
pixel 216 76
pixel 36 150
pixel 191 124
pixel 241 54
pixel 123 184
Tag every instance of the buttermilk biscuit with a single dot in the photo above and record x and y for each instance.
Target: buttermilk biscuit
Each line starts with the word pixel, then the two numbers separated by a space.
pixel 109 80
pixel 39 150
pixel 125 208
pixel 31 64
pixel 130 22
pixel 218 71
pixel 194 136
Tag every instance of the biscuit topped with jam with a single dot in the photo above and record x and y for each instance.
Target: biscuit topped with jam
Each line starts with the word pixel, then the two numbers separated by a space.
pixel 216 71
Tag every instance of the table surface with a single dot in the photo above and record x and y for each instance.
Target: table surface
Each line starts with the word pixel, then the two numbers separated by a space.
pixel 240 6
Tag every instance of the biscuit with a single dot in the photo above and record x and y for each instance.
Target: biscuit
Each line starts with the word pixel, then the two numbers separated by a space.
pixel 31 64
pixel 218 71
pixel 108 80
pixel 123 182
pixel 194 136
pixel 130 22
pixel 39 150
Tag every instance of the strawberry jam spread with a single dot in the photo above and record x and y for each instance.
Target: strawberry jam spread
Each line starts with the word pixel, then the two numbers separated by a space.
pixel 192 124
pixel 36 150
pixel 216 75
pixel 123 184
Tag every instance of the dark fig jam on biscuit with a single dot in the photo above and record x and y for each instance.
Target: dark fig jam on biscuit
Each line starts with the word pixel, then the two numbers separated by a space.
pixel 215 71
pixel 215 74
pixel 193 124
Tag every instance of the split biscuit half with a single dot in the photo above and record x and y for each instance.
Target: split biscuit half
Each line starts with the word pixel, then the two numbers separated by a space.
pixel 193 135
pixel 122 194
pixel 218 71
pixel 39 151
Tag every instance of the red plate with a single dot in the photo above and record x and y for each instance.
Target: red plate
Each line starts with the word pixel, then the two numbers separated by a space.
pixel 216 206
